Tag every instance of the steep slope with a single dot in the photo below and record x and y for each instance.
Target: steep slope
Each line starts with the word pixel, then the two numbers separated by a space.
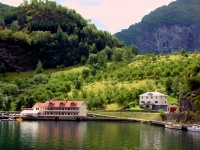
pixel 45 31
pixel 167 29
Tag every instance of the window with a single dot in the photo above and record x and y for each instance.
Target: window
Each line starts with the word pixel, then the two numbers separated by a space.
pixel 156 101
pixel 142 97
pixel 73 103
pixel 142 101
pixel 156 97
pixel 37 108
pixel 148 102
pixel 51 102
pixel 147 97
pixel 151 97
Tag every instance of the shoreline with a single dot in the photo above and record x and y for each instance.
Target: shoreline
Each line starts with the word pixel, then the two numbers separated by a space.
pixel 94 118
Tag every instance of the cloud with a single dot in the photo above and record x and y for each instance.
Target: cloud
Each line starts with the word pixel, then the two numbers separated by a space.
pixel 115 14
pixel 12 2
pixel 110 15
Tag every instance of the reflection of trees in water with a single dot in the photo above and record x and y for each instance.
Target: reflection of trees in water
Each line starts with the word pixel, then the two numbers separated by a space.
pixel 151 137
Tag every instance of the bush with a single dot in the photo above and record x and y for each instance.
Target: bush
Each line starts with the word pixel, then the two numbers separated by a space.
pixel 11 89
pixel 162 114
pixel 40 78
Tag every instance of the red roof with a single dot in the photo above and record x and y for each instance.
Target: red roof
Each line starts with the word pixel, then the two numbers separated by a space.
pixel 59 104
pixel 38 105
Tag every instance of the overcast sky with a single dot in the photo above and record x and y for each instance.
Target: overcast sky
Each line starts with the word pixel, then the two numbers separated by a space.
pixel 110 15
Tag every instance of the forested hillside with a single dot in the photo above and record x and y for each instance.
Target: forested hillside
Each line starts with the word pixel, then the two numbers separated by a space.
pixel 51 33
pixel 168 29
pixel 99 84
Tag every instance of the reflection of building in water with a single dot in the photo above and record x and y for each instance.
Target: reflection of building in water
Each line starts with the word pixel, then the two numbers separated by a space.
pixel 150 138
pixel 62 133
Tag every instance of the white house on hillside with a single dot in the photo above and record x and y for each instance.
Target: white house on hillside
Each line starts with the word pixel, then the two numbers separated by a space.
pixel 154 101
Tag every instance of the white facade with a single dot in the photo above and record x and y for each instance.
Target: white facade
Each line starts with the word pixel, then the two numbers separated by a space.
pixel 154 101
pixel 155 98
pixel 57 108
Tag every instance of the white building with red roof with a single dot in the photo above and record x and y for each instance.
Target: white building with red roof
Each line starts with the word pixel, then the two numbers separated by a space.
pixel 57 108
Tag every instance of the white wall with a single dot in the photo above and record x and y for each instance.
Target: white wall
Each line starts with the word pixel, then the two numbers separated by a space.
pixel 83 110
pixel 161 100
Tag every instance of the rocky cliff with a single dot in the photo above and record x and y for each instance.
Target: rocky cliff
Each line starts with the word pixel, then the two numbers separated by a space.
pixel 168 39
pixel 168 29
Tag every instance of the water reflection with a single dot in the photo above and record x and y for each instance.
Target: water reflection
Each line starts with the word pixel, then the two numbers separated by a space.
pixel 151 137
pixel 60 135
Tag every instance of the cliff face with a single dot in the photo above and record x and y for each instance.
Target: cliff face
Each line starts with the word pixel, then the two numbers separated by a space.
pixel 168 39
pixel 168 29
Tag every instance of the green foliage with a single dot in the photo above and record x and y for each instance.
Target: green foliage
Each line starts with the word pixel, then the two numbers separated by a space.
pixel 40 78
pixel 11 89
pixel 14 26
pixel 162 114
pixel 39 68
pixel 77 84
pixel 51 33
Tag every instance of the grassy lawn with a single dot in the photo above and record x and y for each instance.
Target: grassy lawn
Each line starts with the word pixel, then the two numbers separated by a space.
pixel 134 115
pixel 29 74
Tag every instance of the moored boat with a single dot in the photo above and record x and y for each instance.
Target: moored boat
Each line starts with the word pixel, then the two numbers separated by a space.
pixel 194 128
pixel 171 125
pixel 8 119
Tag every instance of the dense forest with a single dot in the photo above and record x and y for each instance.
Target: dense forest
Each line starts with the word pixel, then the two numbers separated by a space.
pixel 51 33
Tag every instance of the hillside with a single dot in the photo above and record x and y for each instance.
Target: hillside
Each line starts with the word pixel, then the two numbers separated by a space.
pixel 168 29
pixel 51 33
pixel 118 82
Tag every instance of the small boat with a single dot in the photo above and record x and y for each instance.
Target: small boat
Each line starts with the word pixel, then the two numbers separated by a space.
pixel 8 119
pixel 171 125
pixel 195 128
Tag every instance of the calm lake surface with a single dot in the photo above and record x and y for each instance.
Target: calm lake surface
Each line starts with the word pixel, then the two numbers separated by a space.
pixel 63 135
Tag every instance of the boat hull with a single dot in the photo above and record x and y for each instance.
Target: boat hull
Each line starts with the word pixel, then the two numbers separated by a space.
pixel 193 129
pixel 177 127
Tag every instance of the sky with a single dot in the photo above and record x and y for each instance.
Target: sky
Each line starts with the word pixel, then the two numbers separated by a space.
pixel 109 15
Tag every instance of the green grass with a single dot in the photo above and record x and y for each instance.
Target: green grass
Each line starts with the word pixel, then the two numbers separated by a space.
pixel 133 115
pixel 136 108
pixel 9 77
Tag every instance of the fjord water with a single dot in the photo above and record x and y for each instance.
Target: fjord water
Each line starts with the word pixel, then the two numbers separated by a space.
pixel 63 135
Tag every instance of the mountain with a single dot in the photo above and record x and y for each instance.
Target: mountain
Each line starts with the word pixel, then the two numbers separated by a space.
pixel 51 33
pixel 168 29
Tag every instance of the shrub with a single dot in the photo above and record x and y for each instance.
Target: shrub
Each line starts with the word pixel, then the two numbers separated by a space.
pixel 40 78
pixel 162 114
